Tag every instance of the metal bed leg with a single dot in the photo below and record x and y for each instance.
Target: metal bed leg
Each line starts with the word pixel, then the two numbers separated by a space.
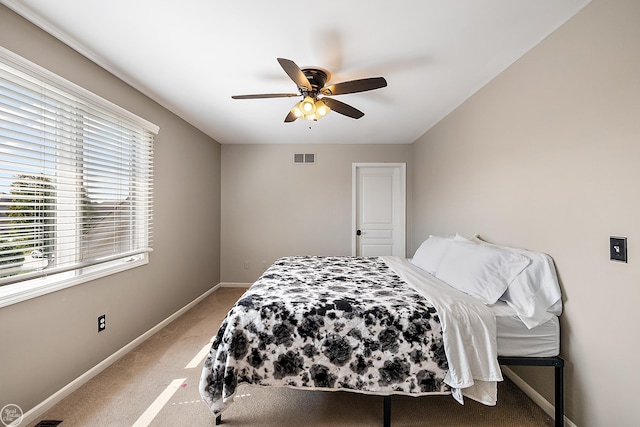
pixel 558 366
pixel 559 392
pixel 387 411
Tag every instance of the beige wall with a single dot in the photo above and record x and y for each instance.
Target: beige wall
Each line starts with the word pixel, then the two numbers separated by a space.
pixel 546 157
pixel 272 207
pixel 49 341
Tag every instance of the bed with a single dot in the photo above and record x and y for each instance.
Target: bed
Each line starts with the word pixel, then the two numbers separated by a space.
pixel 388 325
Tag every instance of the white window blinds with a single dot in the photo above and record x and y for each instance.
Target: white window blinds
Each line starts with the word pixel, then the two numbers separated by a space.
pixel 76 176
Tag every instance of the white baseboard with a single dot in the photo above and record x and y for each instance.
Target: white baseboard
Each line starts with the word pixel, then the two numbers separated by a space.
pixel 534 395
pixel 39 410
pixel 234 285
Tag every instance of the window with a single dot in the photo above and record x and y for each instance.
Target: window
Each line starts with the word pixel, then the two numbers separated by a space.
pixel 76 183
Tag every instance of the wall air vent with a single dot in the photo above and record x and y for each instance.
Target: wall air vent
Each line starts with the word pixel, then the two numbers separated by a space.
pixel 304 158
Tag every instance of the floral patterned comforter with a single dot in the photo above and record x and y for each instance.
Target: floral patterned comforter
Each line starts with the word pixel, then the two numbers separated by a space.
pixel 332 323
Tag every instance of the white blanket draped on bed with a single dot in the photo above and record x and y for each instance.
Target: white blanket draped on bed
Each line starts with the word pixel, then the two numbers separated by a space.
pixel 469 334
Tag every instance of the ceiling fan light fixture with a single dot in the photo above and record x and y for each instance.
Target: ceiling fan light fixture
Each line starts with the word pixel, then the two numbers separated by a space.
pixel 322 109
pixel 308 106
pixel 297 110
pixel 310 109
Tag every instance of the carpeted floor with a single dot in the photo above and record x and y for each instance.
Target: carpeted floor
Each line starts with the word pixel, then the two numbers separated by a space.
pixel 130 392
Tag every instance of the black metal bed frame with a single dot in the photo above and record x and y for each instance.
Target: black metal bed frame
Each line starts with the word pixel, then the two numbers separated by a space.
pixel 558 367
pixel 557 363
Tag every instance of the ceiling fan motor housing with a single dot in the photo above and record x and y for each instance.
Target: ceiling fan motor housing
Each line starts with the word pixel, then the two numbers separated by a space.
pixel 317 77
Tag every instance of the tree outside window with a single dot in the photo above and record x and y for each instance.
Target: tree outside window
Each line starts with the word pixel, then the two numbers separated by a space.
pixel 30 228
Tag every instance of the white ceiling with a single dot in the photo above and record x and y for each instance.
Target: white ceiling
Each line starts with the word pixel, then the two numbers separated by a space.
pixel 192 55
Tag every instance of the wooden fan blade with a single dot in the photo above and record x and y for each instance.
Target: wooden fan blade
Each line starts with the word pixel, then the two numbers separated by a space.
pixel 342 108
pixel 295 73
pixel 290 118
pixel 353 86
pixel 266 95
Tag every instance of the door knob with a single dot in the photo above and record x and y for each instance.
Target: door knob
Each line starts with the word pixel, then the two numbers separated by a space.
pixel 359 232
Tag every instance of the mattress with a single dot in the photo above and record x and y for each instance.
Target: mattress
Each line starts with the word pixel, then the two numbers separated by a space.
pixel 516 340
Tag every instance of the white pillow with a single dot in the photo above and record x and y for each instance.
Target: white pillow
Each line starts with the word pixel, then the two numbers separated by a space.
pixel 430 253
pixel 535 293
pixel 481 271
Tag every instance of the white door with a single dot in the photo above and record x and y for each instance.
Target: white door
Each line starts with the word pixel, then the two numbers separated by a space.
pixel 379 205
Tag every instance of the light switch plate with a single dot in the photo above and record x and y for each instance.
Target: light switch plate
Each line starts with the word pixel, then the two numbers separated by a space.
pixel 618 248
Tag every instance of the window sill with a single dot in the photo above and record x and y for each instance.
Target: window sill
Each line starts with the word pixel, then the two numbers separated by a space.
pixel 23 291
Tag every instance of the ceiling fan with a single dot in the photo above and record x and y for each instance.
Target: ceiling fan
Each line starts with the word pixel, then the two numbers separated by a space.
pixel 317 101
